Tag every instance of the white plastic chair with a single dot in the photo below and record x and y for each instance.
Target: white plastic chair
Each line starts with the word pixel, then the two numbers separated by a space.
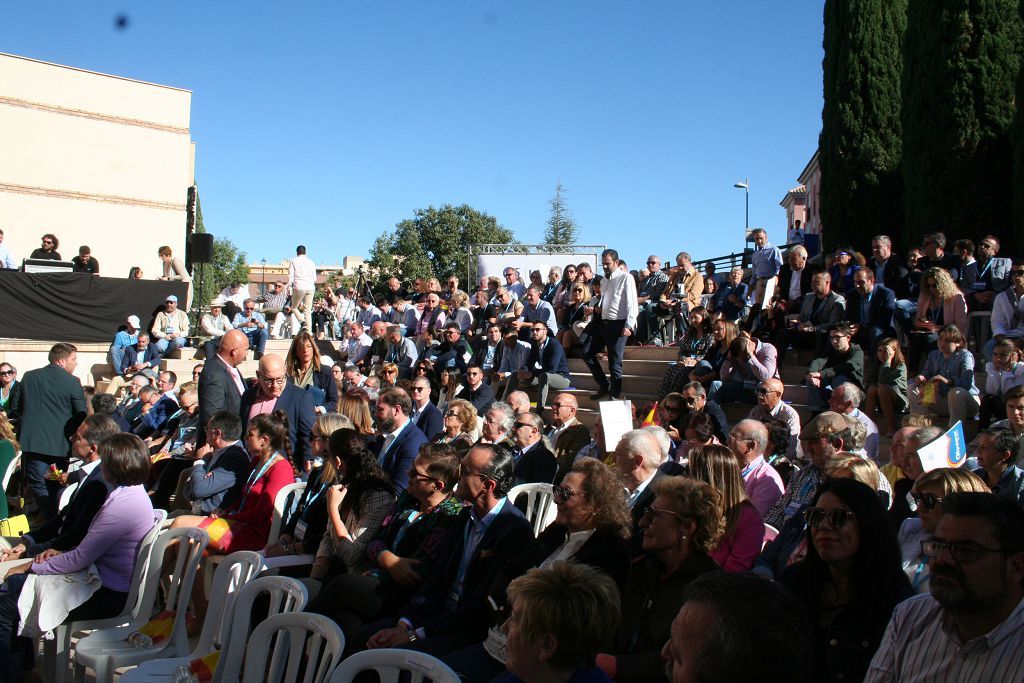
pixel 287 497
pixel 390 663
pixel 109 649
pixel 56 652
pixel 9 472
pixel 310 642
pixel 232 574
pixel 540 504
pixel 231 627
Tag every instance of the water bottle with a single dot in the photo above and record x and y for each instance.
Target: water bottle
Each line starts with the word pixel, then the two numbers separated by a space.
pixel 183 674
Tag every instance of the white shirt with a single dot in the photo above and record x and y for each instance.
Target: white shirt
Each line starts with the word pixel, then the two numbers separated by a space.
pixel 618 298
pixel 238 298
pixel 358 348
pixel 640 489
pixel 794 285
pixel 302 273
pixel 871 445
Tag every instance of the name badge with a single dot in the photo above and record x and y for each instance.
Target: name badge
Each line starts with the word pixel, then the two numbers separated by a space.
pixel 978 286
pixel 300 530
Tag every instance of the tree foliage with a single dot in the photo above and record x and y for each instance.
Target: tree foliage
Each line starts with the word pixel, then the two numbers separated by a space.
pixel 228 265
pixel 860 145
pixel 1017 141
pixel 433 242
pixel 561 228
pixel 961 60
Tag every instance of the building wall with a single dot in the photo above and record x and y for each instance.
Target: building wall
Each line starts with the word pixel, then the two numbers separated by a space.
pixel 95 159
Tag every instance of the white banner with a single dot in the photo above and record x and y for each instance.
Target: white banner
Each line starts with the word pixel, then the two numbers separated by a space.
pixel 495 264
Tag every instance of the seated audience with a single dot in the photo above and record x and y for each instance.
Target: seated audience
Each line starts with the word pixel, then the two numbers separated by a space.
pixel 567 434
pixel 844 400
pixel 842 362
pixel 459 426
pixel 870 309
pixel 820 310
pixel 155 419
pixel 748 363
pixel 762 484
pixel 940 305
pixel 534 462
pixel 545 368
pixel 218 475
pixel 706 370
pixel 1004 372
pixel 888 391
pixel 425 415
pixel 307 372
pixel 399 439
pixel 170 328
pixel 1007 320
pixel 997 450
pixel 770 406
pixel 693 344
pixel 945 385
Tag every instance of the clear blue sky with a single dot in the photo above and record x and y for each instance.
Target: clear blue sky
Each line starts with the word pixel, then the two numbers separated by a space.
pixel 329 122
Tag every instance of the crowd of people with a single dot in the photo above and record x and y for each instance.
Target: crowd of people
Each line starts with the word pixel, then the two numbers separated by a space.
pixel 779 547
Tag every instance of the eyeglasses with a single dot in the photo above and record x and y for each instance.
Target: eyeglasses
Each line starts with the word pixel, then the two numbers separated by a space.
pixel 273 381
pixel 652 513
pixel 517 425
pixel 1017 272
pixel 927 500
pixel 554 406
pixel 837 518
pixel 415 474
pixel 415 389
pixel 539 330
pixel 5 373
pixel 837 337
pixel 764 391
pixel 961 552
pixel 986 245
pixel 562 493
pixel 451 413
pixel 463 474
pixel 250 308
pixel 47 241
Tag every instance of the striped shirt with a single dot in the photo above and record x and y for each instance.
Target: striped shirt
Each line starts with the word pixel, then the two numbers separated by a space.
pixel 921 644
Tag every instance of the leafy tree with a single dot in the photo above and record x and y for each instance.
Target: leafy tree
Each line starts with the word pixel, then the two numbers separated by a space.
pixel 228 265
pixel 1017 140
pixel 433 242
pixel 561 228
pixel 961 59
pixel 860 143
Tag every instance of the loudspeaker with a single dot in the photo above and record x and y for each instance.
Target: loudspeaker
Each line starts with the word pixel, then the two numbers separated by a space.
pixel 201 247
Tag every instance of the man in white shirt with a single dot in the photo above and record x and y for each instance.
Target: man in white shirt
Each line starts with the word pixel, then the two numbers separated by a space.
pixel 514 357
pixel 6 260
pixel 771 407
pixel 512 283
pixel 233 297
pixel 356 345
pixel 618 320
pixel 302 278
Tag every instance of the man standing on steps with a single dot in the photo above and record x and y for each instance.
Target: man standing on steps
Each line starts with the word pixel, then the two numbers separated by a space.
pixel 220 384
pixel 618 320
pixel 302 277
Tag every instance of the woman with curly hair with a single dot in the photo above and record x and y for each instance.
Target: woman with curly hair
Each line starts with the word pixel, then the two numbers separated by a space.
pixel 851 579
pixel 590 528
pixel 681 529
pixel 743 536
pixel 306 372
pixel 459 426
pixel 356 506
pixel 845 264
pixel 355 405
pixel 693 345
pixel 388 376
pixel 941 303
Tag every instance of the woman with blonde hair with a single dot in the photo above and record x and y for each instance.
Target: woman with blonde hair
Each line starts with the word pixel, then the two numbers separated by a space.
pixel 388 376
pixel 929 491
pixel 355 405
pixel 306 372
pixel 573 316
pixel 459 311
pixel 723 333
pixel 941 303
pixel 459 426
pixel 743 536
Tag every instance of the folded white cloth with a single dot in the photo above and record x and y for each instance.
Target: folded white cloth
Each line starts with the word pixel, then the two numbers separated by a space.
pixel 47 600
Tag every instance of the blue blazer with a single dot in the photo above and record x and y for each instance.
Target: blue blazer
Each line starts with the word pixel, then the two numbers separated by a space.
pixel 157 416
pixel 431 421
pixel 131 356
pixel 297 404
pixel 880 308
pixel 552 360
pixel 398 459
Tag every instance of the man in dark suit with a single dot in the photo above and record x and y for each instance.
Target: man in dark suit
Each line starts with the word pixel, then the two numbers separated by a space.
pixel 453 351
pixel 157 417
pixel 274 392
pixel 51 406
pixel 65 530
pixel 218 482
pixel 488 354
pixel 869 310
pixel 450 611
pixel 795 278
pixel 547 367
pixel 478 393
pixel 819 310
pixel 400 439
pixel 425 414
pixel 638 459
pixel 221 384
pixel 886 267
pixel 568 435
pixel 140 357
pixel 535 464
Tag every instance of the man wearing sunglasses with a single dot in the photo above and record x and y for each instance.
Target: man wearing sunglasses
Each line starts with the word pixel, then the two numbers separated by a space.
pixel 970 627
pixel 986 276
pixel 1008 310
pixel 274 392
pixel 535 464
pixel 253 325
pixel 996 450
pixel 425 414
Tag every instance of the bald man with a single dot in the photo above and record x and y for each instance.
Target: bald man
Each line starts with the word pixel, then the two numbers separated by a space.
pixel 568 435
pixel 220 383
pixel 770 407
pixel 274 392
pixel 520 402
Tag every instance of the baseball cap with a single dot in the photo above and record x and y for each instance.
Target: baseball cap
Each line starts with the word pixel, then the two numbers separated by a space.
pixel 172 298
pixel 133 320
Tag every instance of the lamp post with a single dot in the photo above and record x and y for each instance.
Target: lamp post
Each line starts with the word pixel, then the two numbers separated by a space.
pixel 745 186
pixel 263 278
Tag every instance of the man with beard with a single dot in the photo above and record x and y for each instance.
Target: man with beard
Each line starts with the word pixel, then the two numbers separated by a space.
pixel 618 321
pixel 971 626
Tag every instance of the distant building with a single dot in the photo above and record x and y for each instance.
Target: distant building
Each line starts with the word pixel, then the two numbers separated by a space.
pixel 97 160
pixel 261 274
pixel 802 208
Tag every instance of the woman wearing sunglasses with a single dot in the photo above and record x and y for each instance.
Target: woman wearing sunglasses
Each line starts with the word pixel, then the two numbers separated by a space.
pixel 590 528
pixel 851 579
pixel 459 426
pixel 929 491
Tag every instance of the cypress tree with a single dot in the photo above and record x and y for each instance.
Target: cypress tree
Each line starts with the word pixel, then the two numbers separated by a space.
pixel 1017 141
pixel 960 64
pixel 860 144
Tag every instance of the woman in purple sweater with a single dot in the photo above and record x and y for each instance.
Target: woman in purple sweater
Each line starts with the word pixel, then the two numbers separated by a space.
pixel 111 544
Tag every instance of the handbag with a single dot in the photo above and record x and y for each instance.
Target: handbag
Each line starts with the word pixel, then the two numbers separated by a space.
pixel 14 526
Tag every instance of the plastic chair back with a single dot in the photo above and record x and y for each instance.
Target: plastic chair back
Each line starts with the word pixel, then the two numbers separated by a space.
pixel 296 642
pixel 540 505
pixel 286 595
pixel 389 664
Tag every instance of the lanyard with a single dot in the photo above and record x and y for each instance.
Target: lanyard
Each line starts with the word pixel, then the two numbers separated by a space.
pixel 984 270
pixel 252 480
pixel 918 575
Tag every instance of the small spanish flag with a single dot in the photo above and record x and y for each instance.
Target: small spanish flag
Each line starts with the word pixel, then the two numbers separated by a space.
pixel 649 420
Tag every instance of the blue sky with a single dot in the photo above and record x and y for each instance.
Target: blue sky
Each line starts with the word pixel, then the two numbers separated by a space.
pixel 328 123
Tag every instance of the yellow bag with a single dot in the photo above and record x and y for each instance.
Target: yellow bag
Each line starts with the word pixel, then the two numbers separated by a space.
pixel 14 526
pixel 929 394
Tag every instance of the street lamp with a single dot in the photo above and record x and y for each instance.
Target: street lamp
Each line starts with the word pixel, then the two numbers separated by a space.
pixel 745 186
pixel 263 277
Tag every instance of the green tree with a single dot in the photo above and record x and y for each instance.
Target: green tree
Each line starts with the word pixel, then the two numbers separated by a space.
pixel 228 265
pixel 433 242
pixel 1017 141
pixel 561 228
pixel 961 59
pixel 860 140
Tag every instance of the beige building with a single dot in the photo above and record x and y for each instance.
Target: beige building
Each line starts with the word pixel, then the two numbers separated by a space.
pixel 96 160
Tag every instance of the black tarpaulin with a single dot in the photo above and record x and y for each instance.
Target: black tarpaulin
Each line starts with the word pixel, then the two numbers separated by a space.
pixel 78 307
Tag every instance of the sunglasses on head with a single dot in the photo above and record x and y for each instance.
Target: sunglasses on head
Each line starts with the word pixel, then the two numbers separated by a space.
pixel 837 518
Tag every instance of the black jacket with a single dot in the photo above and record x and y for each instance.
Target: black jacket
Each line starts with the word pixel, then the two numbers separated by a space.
pixel 65 531
pixel 297 404
pixel 536 466
pixel 217 391
pixel 481 399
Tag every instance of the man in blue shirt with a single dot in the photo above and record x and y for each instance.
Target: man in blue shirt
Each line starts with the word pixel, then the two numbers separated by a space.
pixel 253 325
pixel 765 263
pixel 122 340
